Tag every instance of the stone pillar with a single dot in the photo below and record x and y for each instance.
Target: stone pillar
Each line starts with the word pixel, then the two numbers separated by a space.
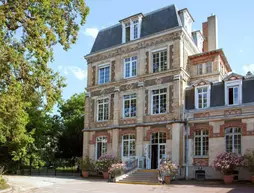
pixel 87 111
pixel 168 149
pixel 140 109
pixel 139 141
pixel 176 128
pixel 115 140
pixel 85 144
pixel 116 109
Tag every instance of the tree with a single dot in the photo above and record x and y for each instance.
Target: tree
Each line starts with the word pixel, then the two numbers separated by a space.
pixel 28 31
pixel 71 140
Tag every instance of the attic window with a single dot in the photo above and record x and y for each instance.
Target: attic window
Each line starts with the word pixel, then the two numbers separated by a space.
pixel 131 29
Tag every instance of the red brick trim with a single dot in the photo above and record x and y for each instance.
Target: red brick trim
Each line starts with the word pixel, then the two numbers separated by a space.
pixel 243 127
pixel 154 130
pixel 98 134
pixel 200 161
pixel 126 132
pixel 201 127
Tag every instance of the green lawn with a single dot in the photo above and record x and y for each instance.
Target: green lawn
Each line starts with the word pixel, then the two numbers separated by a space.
pixel 3 184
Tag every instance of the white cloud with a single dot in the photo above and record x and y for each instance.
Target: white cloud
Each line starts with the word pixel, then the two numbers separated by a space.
pixel 78 72
pixel 91 32
pixel 248 67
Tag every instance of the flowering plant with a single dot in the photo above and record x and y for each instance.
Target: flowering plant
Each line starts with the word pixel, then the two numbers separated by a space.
pixel 86 164
pixel 168 168
pixel 249 160
pixel 227 162
pixel 116 168
pixel 105 162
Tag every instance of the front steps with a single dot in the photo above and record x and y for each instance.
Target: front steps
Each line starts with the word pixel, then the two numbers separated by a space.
pixel 149 177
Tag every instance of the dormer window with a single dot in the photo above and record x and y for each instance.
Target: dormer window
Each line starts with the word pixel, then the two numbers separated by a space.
pixel 131 28
pixel 205 68
pixel 233 92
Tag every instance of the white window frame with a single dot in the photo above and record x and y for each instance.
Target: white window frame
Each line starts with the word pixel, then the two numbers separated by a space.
pixel 132 24
pixel 211 66
pixel 97 113
pixel 233 134
pixel 105 142
pixel 99 68
pixel 129 142
pixel 131 63
pixel 208 96
pixel 130 103
pixel 151 94
pixel 230 84
pixel 198 69
pixel 201 143
pixel 203 67
pixel 160 51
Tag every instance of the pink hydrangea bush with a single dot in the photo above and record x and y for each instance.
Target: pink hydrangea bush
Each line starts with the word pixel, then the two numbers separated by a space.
pixel 105 162
pixel 168 168
pixel 117 168
pixel 227 162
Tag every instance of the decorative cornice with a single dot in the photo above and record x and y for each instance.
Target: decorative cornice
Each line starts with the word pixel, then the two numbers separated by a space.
pixel 131 48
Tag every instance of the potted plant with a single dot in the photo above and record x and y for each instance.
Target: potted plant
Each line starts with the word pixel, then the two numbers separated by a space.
pixel 249 162
pixel 116 169
pixel 86 166
pixel 226 163
pixel 104 163
pixel 168 170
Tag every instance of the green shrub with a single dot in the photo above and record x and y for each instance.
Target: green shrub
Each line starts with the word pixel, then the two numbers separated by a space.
pixel 3 184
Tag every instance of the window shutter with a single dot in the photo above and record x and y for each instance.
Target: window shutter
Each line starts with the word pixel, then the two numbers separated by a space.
pixel 171 56
pixel 113 66
pixel 112 107
pixel 170 91
pixel 147 63
pixel 146 102
pixel 93 75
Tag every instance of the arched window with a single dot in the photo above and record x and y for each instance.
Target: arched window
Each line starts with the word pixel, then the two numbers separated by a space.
pixel 101 146
pixel 233 137
pixel 128 145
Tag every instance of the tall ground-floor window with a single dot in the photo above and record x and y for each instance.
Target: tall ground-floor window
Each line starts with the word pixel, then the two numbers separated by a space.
pixel 201 142
pixel 101 146
pixel 128 145
pixel 233 137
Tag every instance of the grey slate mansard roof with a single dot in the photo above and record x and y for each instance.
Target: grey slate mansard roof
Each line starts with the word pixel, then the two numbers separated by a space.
pixel 156 21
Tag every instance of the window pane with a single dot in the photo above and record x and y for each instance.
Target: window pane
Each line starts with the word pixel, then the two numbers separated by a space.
pixel 127 70
pixel 230 96
pixel 197 146
pixel 125 148
pixel 235 95
pixel 229 147
pixel 127 34
pixel 156 62
pixel 135 33
pixel 134 70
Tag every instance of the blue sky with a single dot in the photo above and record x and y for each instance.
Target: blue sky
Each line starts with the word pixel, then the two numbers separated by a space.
pixel 235 32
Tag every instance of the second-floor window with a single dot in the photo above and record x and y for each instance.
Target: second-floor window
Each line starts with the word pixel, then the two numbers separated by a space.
pixel 103 109
pixel 104 73
pixel 135 29
pixel 130 105
pixel 201 143
pixel 160 59
pixel 202 97
pixel 159 100
pixel 204 68
pixel 127 32
pixel 130 67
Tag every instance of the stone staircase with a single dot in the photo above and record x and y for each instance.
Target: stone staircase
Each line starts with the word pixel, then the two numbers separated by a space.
pixel 149 177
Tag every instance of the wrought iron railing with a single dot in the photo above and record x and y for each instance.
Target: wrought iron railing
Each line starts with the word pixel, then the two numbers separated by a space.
pixel 129 166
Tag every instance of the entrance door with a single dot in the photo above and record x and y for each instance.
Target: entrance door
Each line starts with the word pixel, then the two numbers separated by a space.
pixel 158 146
pixel 148 156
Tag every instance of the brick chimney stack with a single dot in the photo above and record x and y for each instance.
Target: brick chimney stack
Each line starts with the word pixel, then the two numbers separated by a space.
pixel 210 33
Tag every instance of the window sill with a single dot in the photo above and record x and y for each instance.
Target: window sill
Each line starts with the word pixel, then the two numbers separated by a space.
pixel 201 157
pixel 131 77
pixel 102 121
pixel 129 117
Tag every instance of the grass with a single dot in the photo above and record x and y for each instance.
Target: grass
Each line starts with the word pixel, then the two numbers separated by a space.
pixel 3 184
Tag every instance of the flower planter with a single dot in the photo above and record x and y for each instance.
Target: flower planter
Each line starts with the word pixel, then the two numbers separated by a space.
pixel 105 175
pixel 228 179
pixel 167 179
pixel 252 179
pixel 85 174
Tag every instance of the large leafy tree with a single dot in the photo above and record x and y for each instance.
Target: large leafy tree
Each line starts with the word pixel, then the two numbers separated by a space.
pixel 71 140
pixel 28 31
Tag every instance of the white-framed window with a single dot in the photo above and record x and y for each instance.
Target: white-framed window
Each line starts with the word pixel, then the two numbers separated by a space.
pixel 202 97
pixel 233 139
pixel 159 101
pixel 131 29
pixel 128 146
pixel 201 143
pixel 104 74
pixel 101 146
pixel 129 105
pixel 160 60
pixel 233 92
pixel 135 29
pixel 130 67
pixel 205 68
pixel 102 109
